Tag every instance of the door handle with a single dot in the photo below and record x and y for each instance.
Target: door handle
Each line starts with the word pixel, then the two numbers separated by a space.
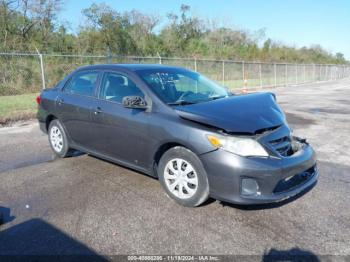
pixel 98 110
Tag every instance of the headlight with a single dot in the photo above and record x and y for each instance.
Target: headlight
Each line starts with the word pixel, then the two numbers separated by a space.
pixel 237 145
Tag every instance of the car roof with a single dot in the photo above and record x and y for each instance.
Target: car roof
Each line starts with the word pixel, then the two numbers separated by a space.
pixel 130 67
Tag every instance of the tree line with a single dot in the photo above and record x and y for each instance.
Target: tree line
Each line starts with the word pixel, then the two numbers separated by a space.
pixel 27 25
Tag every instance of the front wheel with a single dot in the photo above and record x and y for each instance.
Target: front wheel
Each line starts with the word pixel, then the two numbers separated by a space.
pixel 58 139
pixel 183 177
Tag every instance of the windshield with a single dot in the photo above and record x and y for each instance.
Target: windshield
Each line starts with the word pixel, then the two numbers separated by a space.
pixel 180 87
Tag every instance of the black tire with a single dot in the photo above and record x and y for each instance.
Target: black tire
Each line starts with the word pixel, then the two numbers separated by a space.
pixel 202 190
pixel 65 151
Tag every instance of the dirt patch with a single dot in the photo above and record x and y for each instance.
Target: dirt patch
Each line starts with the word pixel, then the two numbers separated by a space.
pixel 296 120
pixel 9 121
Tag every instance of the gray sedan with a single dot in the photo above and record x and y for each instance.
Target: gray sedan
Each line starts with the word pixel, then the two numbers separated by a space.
pixel 197 138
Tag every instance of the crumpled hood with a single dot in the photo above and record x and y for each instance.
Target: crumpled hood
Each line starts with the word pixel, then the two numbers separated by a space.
pixel 237 114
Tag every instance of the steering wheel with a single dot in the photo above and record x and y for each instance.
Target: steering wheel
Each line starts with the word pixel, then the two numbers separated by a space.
pixel 187 93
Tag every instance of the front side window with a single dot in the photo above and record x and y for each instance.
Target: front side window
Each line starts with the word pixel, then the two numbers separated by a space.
pixel 176 87
pixel 116 86
pixel 82 84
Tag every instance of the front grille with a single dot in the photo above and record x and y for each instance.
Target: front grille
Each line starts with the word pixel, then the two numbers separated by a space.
pixel 294 181
pixel 283 146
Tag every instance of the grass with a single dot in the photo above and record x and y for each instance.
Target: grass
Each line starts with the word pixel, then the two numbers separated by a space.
pixel 18 107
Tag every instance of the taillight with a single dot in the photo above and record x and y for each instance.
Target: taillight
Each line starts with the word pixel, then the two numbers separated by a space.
pixel 38 99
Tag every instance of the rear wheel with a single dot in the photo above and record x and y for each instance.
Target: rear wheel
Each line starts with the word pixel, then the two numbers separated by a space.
pixel 183 177
pixel 58 139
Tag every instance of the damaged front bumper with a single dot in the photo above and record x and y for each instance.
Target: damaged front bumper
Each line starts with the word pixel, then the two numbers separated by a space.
pixel 257 180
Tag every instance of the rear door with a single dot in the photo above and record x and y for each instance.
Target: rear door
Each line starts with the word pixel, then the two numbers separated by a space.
pixel 121 132
pixel 74 105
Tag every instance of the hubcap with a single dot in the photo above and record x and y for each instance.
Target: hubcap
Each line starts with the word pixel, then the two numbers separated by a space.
pixel 181 178
pixel 56 139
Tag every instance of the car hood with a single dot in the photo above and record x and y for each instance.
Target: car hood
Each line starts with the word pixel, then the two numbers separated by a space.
pixel 245 114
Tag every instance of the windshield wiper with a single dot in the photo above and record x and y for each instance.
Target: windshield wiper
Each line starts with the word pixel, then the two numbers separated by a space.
pixel 185 102
pixel 180 103
pixel 217 97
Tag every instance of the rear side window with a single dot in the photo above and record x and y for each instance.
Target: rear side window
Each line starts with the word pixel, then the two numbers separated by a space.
pixel 82 84
pixel 116 86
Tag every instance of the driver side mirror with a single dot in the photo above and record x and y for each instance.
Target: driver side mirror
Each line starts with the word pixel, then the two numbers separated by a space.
pixel 134 102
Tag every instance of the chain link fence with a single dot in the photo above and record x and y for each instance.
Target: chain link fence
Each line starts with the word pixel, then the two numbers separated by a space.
pixel 29 73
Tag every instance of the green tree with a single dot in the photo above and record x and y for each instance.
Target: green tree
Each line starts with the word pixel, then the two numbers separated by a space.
pixel 29 24
pixel 111 27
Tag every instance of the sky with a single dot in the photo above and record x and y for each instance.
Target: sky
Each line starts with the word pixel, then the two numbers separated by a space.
pixel 293 22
